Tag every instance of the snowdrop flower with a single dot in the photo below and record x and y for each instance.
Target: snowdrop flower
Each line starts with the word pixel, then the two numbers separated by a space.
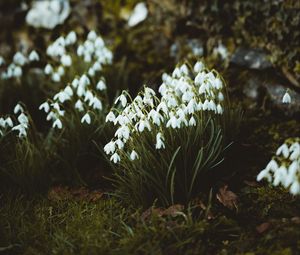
pixel 101 85
pixel 61 70
pixel 8 122
pixel 110 117
pixel 55 77
pixel 45 106
pixel 86 118
pixel 96 103
pixel 115 158
pixel 19 59
pixel 134 155
pixel 284 150
pixel 110 148
pixel 66 60
pixel 48 69
pixel 17 72
pixel 122 99
pixel 22 130
pixel 75 83
pixel 295 188
pixel 18 109
pixel 57 124
pixel 286 98
pixel 159 142
pixel 192 121
pixel 198 67
pixel 79 105
pixel 138 15
pixel 264 174
pixel 33 56
pixel 71 38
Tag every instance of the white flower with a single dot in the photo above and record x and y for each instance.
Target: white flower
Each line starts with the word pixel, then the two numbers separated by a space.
pixel 198 67
pixel 9 122
pixel 45 106
pixel 159 142
pixel 55 77
pixel 86 118
pixel 18 108
pixel 101 85
pixel 110 117
pixel 295 188
pixel 286 98
pixel 122 98
pixel 22 130
pixel 71 38
pixel 33 56
pixel 138 15
pixel 219 109
pixel 75 83
pixel 84 81
pixel 48 69
pixel 264 174
pixel 19 59
pixel 284 150
pixel 79 105
pixel 92 35
pixel 134 155
pixel 61 70
pixel 110 148
pixel 66 60
pixel 295 151
pixel 17 72
pixel 115 158
pixel 57 124
pixel 97 105
pixel 192 121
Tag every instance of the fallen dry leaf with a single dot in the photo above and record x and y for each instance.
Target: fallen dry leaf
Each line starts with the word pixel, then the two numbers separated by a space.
pixel 227 197
pixel 263 227
pixel 173 210
pixel 296 220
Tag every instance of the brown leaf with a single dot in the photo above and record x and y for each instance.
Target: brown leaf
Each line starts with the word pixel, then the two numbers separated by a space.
pixel 59 193
pixel 146 215
pixel 251 183
pixel 263 227
pixel 173 210
pixel 296 220
pixel 227 197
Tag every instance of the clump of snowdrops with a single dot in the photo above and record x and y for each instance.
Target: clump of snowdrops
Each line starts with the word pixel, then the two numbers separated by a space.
pixel 76 107
pixel 284 167
pixel 23 154
pixel 167 144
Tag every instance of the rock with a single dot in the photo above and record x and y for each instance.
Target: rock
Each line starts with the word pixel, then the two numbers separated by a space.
pixel 251 58
pixel 275 93
pixel 48 14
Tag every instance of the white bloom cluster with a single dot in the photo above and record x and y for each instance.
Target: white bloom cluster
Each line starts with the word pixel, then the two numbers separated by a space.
pixel 284 168
pixel 14 70
pixel 6 124
pixel 93 52
pixel 81 93
pixel 184 94
pixel 48 13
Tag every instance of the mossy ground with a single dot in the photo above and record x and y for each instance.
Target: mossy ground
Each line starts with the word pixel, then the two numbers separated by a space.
pixel 266 220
